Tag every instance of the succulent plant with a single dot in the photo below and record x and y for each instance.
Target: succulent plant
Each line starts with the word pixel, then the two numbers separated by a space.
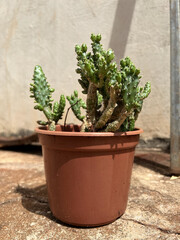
pixel 114 98
pixel 76 105
pixel 42 93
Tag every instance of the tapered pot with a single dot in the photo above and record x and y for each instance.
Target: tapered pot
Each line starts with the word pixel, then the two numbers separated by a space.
pixel 88 174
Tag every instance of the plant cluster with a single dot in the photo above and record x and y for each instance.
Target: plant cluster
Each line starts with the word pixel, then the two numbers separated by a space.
pixel 114 98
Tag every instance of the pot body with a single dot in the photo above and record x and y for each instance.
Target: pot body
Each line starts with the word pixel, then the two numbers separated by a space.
pixel 88 174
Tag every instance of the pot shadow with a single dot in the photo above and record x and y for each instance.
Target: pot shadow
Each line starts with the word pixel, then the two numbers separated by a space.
pixel 35 200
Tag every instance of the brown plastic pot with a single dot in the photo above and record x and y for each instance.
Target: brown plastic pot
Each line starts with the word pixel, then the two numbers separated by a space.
pixel 88 174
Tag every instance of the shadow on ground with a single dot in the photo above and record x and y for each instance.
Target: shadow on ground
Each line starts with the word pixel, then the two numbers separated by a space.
pixel 35 200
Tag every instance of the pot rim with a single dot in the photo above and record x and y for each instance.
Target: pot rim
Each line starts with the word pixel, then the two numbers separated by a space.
pixel 42 130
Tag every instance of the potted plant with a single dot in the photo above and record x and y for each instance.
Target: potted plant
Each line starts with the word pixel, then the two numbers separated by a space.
pixel 88 167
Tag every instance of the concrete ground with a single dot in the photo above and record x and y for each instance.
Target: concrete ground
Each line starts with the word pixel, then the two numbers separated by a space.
pixel 153 210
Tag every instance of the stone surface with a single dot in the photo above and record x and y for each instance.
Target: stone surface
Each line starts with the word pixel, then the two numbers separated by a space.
pixel 153 209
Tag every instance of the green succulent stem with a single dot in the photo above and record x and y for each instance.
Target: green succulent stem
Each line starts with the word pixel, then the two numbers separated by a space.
pixel 107 113
pixel 48 113
pixel 121 97
pixel 86 126
pixel 42 93
pixel 115 125
pixel 68 111
pixel 76 104
pixel 114 98
pixel 52 126
pixel 91 103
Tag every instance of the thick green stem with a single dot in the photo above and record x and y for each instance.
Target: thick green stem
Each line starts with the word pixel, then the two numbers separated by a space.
pixel 107 113
pixel 115 125
pixel 91 103
pixel 116 112
pixel 86 126
pixel 42 94
pixel 48 113
pixel 52 126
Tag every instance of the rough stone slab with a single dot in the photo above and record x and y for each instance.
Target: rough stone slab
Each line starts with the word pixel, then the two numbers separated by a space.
pixel 153 210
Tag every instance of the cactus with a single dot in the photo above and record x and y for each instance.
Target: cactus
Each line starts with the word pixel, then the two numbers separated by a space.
pixel 42 93
pixel 114 97
pixel 116 89
pixel 76 105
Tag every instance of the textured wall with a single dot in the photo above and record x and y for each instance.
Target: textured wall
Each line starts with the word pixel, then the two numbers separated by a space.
pixel 45 32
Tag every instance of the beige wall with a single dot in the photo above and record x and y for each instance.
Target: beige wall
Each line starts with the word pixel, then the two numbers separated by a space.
pixel 45 32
